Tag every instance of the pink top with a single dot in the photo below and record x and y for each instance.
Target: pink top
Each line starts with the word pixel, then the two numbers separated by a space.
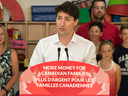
pixel 112 75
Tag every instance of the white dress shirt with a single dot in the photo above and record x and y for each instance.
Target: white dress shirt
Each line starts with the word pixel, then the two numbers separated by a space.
pixel 79 49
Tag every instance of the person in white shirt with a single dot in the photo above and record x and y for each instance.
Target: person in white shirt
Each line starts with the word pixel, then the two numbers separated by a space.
pixel 65 45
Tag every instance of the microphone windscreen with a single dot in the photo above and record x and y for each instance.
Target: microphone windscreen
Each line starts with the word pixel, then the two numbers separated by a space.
pixel 66 49
pixel 59 49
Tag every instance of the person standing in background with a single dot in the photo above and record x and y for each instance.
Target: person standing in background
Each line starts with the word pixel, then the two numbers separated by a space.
pixel 106 63
pixel 120 56
pixel 95 31
pixel 9 68
pixel 110 31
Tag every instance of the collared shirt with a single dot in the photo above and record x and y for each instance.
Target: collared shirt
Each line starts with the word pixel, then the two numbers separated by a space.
pixel 79 49
pixel 110 31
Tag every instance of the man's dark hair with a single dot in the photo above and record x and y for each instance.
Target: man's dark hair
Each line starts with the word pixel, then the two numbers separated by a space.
pixel 98 1
pixel 68 8
pixel 124 26
pixel 98 24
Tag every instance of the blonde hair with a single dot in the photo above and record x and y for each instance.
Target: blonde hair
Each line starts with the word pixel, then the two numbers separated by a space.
pixel 6 42
pixel 106 42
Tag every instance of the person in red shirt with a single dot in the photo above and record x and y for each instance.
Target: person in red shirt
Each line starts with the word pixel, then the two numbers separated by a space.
pixel 110 31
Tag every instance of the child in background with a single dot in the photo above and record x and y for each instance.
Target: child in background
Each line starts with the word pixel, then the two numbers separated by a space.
pixel 95 31
pixel 120 56
pixel 106 63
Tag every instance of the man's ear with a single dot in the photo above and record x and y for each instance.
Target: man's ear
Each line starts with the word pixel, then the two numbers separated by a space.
pixel 75 22
pixel 91 9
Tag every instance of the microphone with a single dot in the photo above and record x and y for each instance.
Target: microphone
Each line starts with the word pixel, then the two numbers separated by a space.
pixel 66 50
pixel 59 49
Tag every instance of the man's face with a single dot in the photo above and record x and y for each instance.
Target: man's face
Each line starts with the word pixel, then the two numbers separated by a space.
pixel 65 24
pixel 99 10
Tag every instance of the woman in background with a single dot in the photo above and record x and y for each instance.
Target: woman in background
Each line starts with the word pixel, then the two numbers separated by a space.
pixel 9 68
pixel 95 31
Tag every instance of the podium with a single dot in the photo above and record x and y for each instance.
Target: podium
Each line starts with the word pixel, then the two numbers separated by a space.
pixel 64 78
